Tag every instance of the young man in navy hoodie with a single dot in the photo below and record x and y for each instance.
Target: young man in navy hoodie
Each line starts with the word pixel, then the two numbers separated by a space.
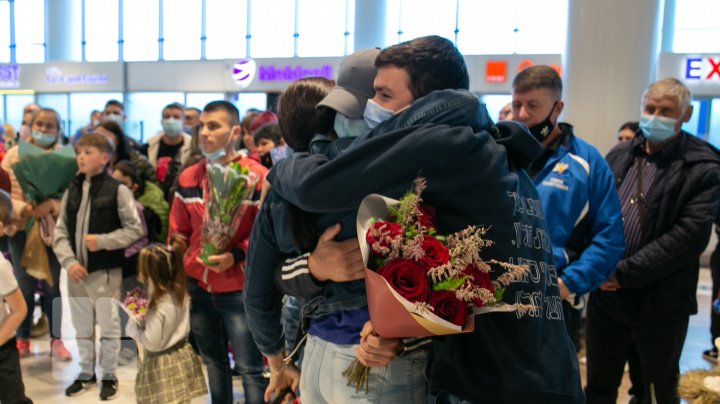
pixel 426 123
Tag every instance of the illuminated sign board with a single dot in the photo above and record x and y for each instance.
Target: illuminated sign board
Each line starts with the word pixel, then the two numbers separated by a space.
pixel 54 75
pixel 496 71
pixel 290 73
pixel 702 68
pixel 9 76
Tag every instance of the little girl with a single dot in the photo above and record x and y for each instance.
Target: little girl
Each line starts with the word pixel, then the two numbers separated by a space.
pixel 170 370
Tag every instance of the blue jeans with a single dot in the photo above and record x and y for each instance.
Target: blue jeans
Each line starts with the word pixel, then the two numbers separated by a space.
pixel 27 285
pixel 321 379
pixel 216 318
pixel 291 320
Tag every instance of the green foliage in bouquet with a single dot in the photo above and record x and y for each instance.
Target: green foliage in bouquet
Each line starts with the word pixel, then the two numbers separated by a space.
pixel 228 186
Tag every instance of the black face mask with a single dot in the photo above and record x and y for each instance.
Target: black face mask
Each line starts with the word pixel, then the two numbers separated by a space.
pixel 544 128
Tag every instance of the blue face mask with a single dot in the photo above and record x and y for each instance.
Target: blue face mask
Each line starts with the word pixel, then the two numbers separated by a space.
pixel 375 114
pixel 346 127
pixel 657 129
pixel 213 156
pixel 172 126
pixel 43 139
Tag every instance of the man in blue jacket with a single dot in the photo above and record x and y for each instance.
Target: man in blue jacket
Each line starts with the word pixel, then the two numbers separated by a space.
pixel 577 191
pixel 475 175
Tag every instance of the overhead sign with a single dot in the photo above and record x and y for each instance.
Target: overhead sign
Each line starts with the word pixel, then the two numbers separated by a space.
pixel 243 72
pixel 292 73
pixel 9 76
pixel 702 68
pixel 53 75
pixel 496 71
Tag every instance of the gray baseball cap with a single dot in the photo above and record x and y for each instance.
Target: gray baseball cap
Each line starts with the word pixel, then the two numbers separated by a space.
pixel 354 84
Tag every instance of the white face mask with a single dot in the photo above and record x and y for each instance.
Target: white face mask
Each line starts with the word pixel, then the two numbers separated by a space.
pixel 118 119
pixel 172 126
pixel 346 127
pixel 375 114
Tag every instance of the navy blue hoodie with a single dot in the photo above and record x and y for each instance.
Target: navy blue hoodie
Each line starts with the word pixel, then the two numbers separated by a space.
pixel 475 176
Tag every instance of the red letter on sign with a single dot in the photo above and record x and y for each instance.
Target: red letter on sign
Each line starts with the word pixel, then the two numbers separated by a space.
pixel 715 68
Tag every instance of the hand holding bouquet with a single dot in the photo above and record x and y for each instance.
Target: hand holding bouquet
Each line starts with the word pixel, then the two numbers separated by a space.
pixel 420 283
pixel 228 187
pixel 135 304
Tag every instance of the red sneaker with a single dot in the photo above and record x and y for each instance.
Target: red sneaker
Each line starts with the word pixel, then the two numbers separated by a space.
pixel 23 347
pixel 57 350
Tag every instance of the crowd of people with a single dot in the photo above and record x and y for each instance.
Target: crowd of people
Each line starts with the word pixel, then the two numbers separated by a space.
pixel 611 244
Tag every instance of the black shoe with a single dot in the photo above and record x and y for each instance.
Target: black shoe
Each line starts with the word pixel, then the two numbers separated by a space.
pixel 711 355
pixel 82 383
pixel 109 388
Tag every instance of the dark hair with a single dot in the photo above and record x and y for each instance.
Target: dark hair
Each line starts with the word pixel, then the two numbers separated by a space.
pixel 162 265
pixel 122 151
pixel 270 131
pixel 174 105
pixel 298 117
pixel 538 76
pixel 192 109
pixel 130 170
pixel 115 103
pixel 633 126
pixel 231 110
pixel 431 62
pixel 98 141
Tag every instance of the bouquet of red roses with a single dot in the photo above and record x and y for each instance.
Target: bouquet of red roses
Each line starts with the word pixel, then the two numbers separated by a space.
pixel 420 283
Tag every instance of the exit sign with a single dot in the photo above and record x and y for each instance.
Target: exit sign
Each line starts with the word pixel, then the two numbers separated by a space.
pixel 702 68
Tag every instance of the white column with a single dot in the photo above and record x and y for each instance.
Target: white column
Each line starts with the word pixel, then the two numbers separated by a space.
pixel 611 54
pixel 63 30
pixel 370 24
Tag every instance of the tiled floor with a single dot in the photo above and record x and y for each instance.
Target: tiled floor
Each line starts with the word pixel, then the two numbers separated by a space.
pixel 45 379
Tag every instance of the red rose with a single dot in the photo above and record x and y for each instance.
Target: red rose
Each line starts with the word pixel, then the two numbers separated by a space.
pixel 480 279
pixel 407 277
pixel 435 253
pixel 383 233
pixel 448 307
pixel 427 216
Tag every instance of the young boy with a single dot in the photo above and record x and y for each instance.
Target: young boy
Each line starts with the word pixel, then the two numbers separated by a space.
pixel 270 144
pixel 12 312
pixel 98 220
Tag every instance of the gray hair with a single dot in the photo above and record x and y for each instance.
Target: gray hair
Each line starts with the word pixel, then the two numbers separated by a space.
pixel 669 87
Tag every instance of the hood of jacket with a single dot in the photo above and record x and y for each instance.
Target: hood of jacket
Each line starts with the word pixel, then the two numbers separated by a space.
pixel 463 108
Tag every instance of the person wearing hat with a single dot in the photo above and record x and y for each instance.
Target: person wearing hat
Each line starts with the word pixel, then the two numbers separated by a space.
pixel 339 113
pixel 350 95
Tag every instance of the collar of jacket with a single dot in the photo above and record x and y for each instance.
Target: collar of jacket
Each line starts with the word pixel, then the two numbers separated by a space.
pixel 448 107
pixel 462 108
pixel 686 147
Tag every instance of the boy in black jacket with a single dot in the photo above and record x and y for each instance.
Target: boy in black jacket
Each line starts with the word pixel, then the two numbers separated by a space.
pixel 98 219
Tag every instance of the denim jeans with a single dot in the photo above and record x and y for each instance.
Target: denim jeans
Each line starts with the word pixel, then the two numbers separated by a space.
pixel 291 320
pixel 215 319
pixel 321 380
pixel 28 284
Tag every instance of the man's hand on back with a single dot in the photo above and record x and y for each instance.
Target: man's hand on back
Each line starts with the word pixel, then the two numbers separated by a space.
pixel 336 261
